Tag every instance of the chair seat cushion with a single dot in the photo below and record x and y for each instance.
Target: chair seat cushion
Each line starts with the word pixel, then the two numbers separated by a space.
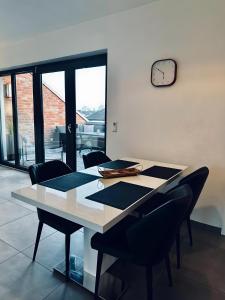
pixel 114 241
pixel 152 203
pixel 56 222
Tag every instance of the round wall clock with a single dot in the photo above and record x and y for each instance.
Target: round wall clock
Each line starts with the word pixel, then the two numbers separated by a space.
pixel 164 72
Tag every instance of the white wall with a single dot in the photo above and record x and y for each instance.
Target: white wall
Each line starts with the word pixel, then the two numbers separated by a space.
pixel 182 124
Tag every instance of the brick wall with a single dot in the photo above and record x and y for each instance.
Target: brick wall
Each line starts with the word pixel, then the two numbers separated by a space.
pixel 54 112
pixel 54 108
pixel 24 89
pixel 8 107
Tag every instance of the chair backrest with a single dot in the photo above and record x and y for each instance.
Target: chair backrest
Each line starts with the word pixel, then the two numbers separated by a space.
pixel 95 158
pixel 48 170
pixel 196 181
pixel 151 238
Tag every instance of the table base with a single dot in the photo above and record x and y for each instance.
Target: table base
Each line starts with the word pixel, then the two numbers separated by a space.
pixel 87 281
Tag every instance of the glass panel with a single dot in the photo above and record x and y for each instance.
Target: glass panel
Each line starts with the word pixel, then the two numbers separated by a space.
pixel 24 92
pixel 90 115
pixel 53 89
pixel 7 119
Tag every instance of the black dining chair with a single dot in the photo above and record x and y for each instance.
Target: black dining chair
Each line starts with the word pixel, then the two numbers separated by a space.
pixel 196 180
pixel 42 172
pixel 146 241
pixel 95 158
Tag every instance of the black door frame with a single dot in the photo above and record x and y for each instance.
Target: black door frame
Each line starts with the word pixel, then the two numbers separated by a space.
pixel 12 74
pixel 69 66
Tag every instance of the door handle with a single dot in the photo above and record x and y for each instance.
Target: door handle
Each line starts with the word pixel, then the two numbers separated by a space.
pixel 69 128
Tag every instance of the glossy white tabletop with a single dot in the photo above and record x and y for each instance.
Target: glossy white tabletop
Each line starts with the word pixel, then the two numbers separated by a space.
pixel 73 205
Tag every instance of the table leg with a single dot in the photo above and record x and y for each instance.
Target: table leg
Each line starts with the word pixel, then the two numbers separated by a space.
pixel 83 270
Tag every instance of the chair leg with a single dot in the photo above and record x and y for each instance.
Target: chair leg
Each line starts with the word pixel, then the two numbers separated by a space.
pixel 40 226
pixel 178 248
pixel 168 267
pixel 67 255
pixel 98 273
pixel 149 278
pixel 189 230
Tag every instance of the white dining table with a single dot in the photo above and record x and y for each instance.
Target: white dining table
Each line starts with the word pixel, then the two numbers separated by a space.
pixel 93 216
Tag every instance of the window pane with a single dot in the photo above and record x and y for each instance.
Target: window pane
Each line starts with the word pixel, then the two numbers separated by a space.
pixel 7 119
pixel 90 115
pixel 53 90
pixel 24 91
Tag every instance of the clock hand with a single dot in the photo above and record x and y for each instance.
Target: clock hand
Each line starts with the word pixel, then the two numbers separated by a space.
pixel 159 71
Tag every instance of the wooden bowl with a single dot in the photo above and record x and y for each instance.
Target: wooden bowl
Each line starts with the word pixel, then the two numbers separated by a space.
pixel 119 173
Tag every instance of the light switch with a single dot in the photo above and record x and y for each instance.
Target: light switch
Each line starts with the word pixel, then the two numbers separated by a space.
pixel 115 127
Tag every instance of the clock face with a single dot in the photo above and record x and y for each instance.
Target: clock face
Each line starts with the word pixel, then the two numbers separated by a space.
pixel 164 73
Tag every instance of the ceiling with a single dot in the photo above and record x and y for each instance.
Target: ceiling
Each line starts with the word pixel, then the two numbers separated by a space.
pixel 20 19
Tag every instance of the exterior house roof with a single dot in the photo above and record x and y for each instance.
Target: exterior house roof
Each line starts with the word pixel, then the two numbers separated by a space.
pixel 62 98
pixel 97 116
pixel 82 116
pixel 55 91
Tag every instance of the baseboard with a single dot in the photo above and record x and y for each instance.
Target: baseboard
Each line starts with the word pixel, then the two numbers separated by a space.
pixel 207 227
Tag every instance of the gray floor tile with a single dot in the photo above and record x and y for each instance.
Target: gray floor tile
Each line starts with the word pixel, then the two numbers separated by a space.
pixel 22 233
pixel 7 169
pixel 23 280
pixel 51 250
pixel 6 191
pixel 203 264
pixel 12 180
pixel 70 292
pixel 23 204
pixel 186 289
pixel 2 199
pixel 18 181
pixel 7 173
pixel 6 251
pixel 10 211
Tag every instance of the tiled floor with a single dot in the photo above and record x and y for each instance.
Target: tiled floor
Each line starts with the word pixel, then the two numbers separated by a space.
pixel 201 277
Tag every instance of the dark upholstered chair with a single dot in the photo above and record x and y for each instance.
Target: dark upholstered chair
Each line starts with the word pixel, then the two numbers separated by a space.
pixel 42 172
pixel 196 180
pixel 146 241
pixel 95 158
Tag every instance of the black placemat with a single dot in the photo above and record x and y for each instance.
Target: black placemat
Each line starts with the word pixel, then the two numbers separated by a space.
pixel 69 181
pixel 120 195
pixel 118 164
pixel 161 172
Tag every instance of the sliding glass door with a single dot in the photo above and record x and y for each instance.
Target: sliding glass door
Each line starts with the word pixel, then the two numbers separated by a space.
pixel 53 111
pixel 53 96
pixel 73 105
pixel 90 87
pixel 7 132
pixel 25 119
